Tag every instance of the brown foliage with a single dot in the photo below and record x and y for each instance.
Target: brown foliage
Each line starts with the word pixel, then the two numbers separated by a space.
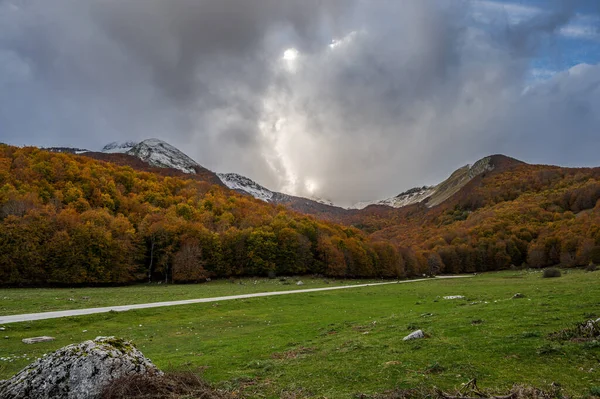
pixel 67 219
pixel 168 386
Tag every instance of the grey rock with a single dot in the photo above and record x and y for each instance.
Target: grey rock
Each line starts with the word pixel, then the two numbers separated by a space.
pixel 518 295
pixel 78 371
pixel 299 283
pixel 454 297
pixel 591 328
pixel 35 340
pixel 414 335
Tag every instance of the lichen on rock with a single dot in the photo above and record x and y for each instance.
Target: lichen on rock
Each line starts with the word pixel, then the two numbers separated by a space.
pixel 78 371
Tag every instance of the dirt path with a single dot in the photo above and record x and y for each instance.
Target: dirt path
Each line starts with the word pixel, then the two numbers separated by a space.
pixel 79 312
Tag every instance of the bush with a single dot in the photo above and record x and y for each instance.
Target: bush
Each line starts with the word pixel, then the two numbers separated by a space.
pixel 591 267
pixel 170 385
pixel 551 272
pixel 587 331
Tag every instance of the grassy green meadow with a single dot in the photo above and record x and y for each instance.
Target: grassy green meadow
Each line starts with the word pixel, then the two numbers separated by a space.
pixel 35 300
pixel 336 344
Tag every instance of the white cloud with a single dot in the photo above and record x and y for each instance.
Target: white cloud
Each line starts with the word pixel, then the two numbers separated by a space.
pixel 489 11
pixel 580 31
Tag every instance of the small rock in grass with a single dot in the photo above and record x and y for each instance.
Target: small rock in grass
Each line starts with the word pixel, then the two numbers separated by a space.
pixel 414 335
pixel 299 283
pixel 35 340
pixel 518 295
pixel 2 328
pixel 454 297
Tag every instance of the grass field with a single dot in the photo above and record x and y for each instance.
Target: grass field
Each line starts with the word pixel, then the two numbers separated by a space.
pixel 35 300
pixel 339 343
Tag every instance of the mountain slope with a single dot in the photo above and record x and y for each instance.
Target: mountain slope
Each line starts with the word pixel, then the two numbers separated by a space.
pixel 156 156
pixel 159 153
pixel 247 186
pixel 435 195
pixel 156 153
pixel 409 197
pixel 116 147
pixel 536 215
pixel 244 185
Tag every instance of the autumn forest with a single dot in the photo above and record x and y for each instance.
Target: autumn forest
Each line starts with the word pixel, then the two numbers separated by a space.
pixel 73 220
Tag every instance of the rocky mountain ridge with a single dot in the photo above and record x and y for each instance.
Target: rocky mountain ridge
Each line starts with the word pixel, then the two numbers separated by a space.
pixel 435 195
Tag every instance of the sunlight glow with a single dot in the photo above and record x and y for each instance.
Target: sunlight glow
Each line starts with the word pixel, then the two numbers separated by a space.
pixel 311 186
pixel 290 54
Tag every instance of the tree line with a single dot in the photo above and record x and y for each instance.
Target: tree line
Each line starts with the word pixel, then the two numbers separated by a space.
pixel 72 220
pixel 529 216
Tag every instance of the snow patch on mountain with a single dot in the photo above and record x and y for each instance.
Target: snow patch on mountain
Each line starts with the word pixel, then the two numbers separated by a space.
pixel 435 195
pixel 156 153
pixel 241 183
pixel 409 197
pixel 322 201
pixel 67 150
pixel 116 147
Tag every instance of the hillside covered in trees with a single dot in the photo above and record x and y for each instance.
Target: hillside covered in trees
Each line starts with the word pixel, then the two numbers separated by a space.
pixel 74 220
pixel 68 219
pixel 525 215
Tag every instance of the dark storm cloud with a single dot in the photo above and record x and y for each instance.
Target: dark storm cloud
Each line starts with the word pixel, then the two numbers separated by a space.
pixel 175 38
pixel 409 97
pixel 188 71
pixel 405 92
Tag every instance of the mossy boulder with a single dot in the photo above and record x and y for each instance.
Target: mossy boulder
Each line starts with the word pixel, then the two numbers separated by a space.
pixel 78 371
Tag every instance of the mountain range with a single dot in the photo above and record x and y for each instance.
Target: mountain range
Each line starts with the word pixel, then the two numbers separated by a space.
pixel 158 153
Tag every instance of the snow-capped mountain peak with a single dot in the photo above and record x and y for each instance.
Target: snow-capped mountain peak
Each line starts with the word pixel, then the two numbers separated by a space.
pixel 435 195
pixel 246 185
pixel 155 152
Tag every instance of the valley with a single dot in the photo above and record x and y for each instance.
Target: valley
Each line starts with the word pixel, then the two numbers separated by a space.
pixel 340 344
pixel 299 199
pixel 119 228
